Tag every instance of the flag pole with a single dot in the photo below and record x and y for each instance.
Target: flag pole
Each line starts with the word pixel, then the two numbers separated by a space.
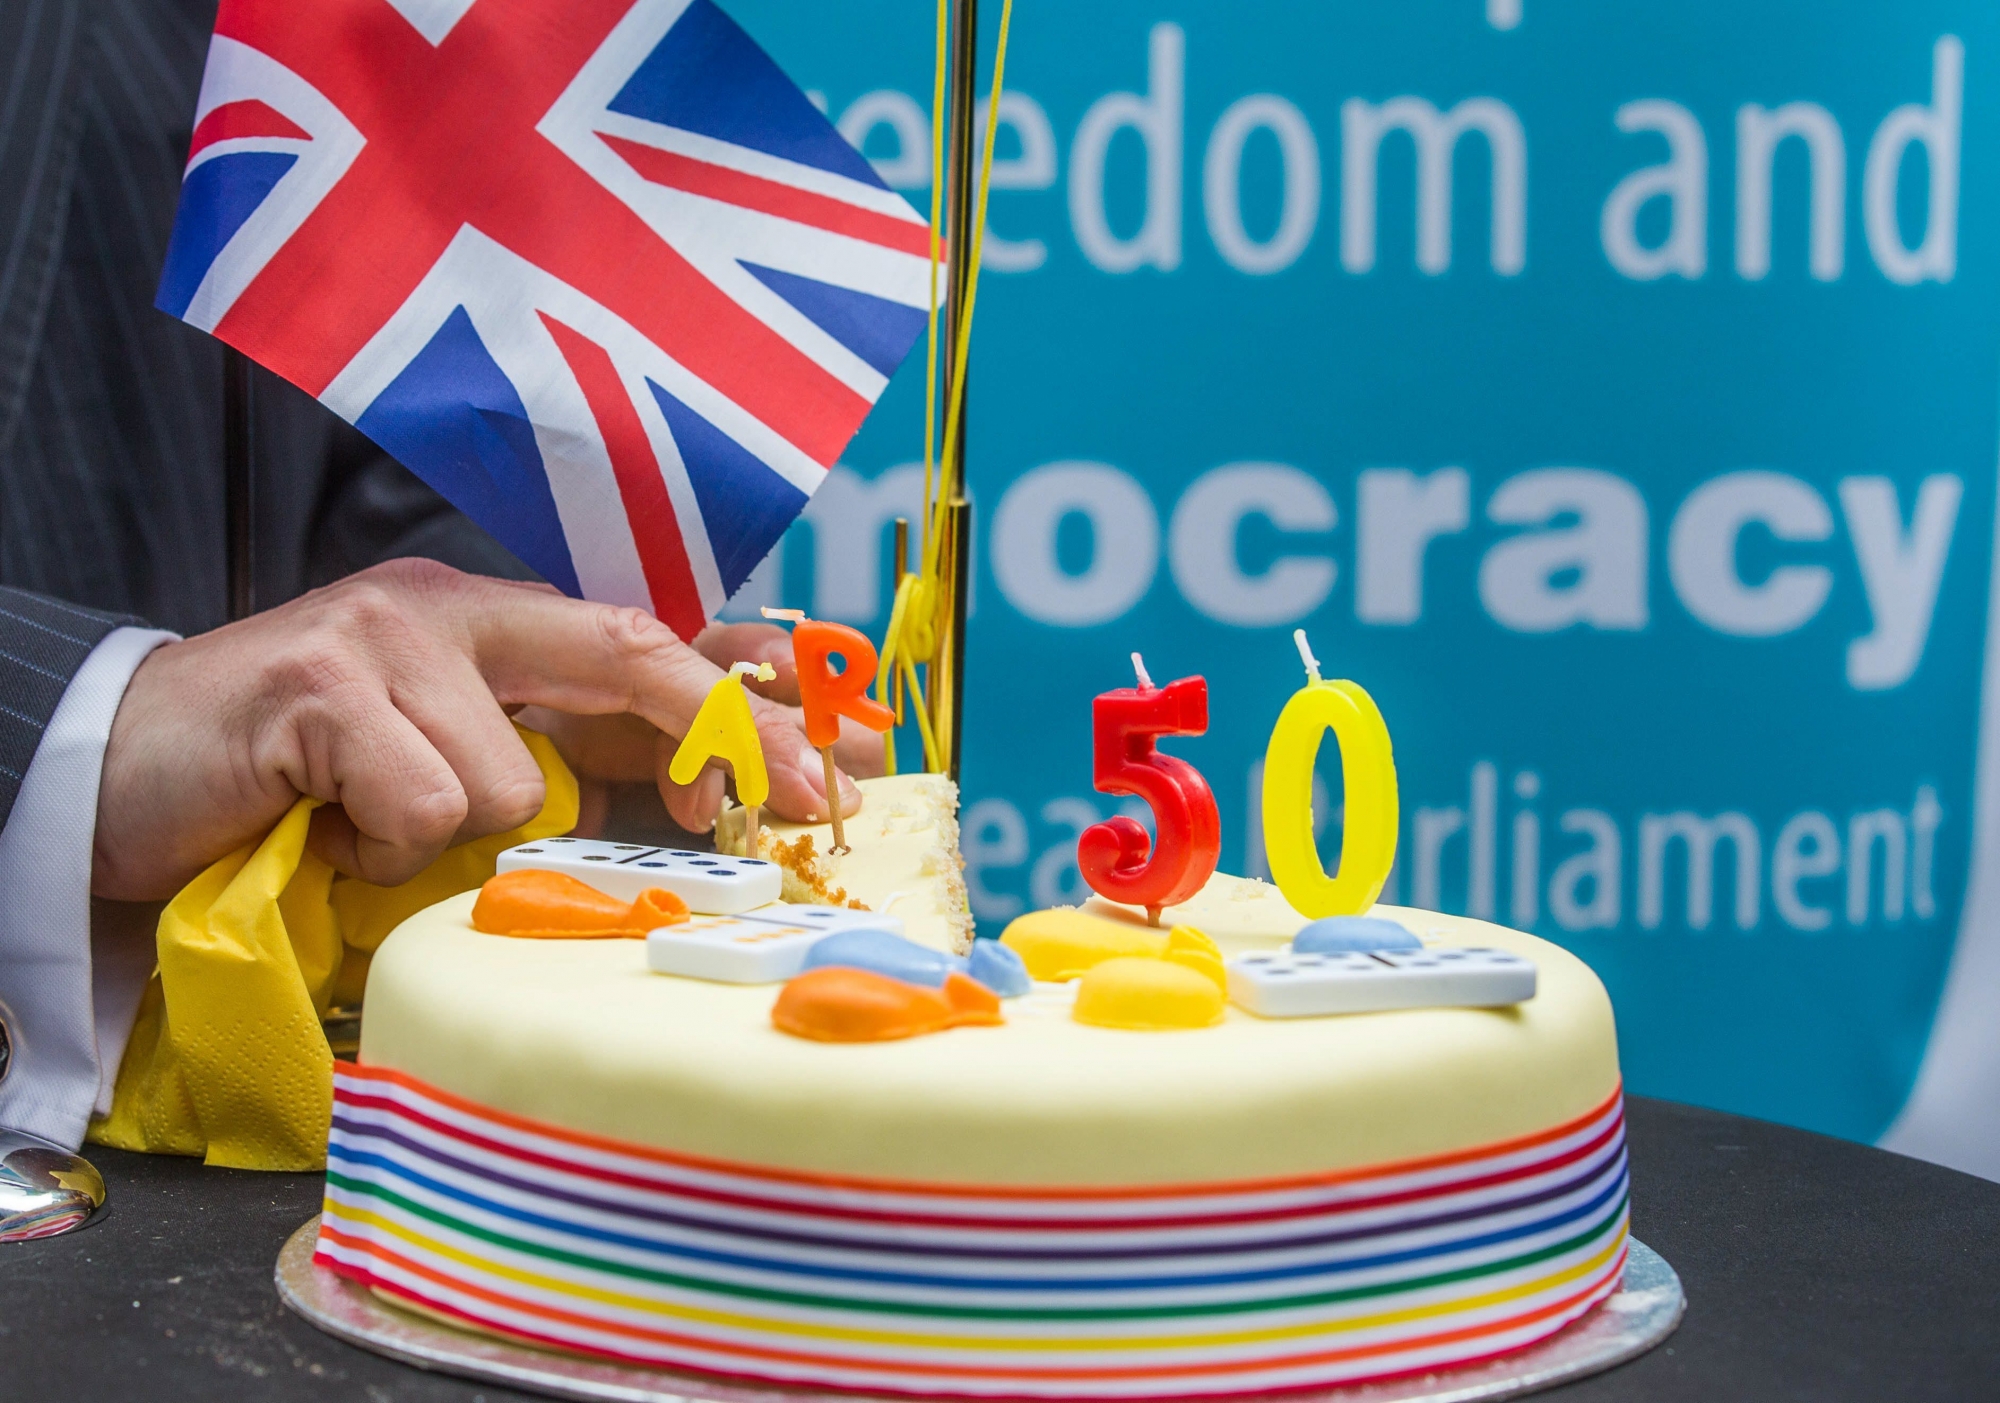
pixel 961 575
pixel 949 699
pixel 239 498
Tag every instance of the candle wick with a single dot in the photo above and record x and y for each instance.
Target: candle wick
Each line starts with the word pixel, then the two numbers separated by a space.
pixel 1306 654
pixel 1139 666
pixel 797 616
pixel 763 672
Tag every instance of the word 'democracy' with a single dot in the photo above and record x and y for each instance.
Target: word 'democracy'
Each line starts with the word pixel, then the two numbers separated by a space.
pixel 1534 552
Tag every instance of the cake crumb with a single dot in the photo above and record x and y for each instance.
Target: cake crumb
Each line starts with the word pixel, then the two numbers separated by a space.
pixel 804 881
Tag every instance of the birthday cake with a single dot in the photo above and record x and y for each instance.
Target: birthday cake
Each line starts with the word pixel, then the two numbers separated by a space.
pixel 812 1173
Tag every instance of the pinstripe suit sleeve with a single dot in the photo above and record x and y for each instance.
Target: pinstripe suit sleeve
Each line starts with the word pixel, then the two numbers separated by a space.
pixel 41 124
pixel 65 1008
pixel 42 644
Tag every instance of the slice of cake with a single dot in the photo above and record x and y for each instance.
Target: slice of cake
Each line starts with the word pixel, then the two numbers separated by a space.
pixel 902 861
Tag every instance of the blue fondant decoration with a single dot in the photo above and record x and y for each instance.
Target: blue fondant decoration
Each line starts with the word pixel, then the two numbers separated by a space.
pixel 879 952
pixel 1335 934
pixel 999 968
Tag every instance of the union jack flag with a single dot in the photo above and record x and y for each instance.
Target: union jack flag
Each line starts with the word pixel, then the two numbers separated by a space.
pixel 594 269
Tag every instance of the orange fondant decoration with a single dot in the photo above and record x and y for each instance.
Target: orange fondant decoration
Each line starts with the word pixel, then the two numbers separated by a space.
pixel 658 907
pixel 539 905
pixel 827 695
pixel 835 1004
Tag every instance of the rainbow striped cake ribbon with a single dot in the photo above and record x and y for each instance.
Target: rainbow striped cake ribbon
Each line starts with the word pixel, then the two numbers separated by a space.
pixel 667 1260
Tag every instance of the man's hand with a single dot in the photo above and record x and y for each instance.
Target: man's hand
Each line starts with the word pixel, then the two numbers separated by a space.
pixel 624 749
pixel 388 695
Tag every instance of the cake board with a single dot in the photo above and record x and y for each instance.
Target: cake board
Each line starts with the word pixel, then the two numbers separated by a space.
pixel 1644 1310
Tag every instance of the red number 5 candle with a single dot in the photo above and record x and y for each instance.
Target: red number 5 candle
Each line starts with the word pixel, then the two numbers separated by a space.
pixel 1116 857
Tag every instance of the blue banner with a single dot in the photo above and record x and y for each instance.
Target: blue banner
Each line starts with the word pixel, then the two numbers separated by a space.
pixel 1609 390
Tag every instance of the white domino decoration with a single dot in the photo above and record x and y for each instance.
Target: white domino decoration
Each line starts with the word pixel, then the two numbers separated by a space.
pixel 1285 985
pixel 710 883
pixel 766 946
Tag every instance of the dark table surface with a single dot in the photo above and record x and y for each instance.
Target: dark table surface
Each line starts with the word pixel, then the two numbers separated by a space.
pixel 1815 1269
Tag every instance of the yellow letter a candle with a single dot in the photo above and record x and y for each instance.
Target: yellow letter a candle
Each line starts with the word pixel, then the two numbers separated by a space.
pixel 724 729
pixel 1368 773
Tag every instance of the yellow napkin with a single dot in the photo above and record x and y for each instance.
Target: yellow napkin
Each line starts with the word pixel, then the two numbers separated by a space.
pixel 227 1059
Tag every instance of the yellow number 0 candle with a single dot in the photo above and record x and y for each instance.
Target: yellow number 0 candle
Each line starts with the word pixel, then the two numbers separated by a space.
pixel 1367 772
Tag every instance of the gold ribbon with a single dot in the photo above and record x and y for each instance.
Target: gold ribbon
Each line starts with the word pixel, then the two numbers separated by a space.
pixel 923 597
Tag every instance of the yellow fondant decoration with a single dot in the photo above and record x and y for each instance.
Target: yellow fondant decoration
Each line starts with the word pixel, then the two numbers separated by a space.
pixel 1148 996
pixel 1062 944
pixel 724 729
pixel 1368 775
pixel 1192 949
pixel 227 1059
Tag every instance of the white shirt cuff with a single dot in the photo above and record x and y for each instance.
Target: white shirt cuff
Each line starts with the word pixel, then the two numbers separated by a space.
pixel 66 1041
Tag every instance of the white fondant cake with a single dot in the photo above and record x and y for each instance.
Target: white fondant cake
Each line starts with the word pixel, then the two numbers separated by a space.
pixel 546 1139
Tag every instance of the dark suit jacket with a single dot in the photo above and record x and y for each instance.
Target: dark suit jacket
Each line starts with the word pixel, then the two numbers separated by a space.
pixel 111 486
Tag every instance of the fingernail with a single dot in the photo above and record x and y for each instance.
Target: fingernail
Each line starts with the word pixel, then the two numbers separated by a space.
pixel 850 793
pixel 695 807
pixel 709 790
